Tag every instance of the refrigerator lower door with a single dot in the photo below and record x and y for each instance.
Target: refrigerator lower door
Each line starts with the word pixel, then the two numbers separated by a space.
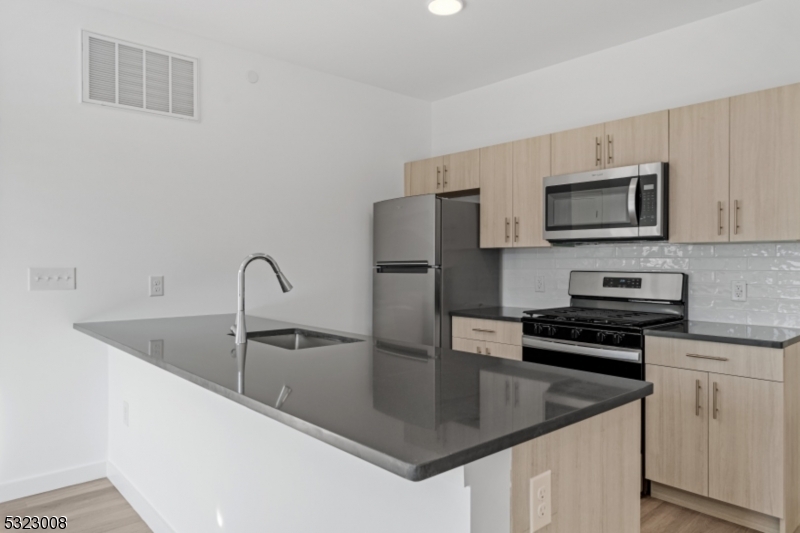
pixel 406 304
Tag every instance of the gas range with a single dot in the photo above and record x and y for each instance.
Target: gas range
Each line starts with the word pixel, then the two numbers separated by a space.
pixel 602 331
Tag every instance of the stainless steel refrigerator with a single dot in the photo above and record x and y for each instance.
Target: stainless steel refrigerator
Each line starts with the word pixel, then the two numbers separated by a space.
pixel 428 262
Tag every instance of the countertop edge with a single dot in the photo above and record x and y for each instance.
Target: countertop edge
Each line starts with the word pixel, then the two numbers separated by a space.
pixel 780 345
pixel 464 457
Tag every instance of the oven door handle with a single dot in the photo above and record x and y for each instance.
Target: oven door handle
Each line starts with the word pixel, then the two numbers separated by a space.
pixel 632 188
pixel 620 354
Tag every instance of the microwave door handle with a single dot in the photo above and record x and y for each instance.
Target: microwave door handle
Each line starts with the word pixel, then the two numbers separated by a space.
pixel 632 188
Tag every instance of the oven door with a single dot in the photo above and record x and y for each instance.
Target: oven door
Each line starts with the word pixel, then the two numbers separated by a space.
pixel 592 205
pixel 622 362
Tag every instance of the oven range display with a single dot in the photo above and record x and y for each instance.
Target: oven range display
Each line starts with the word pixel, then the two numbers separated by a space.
pixel 623 283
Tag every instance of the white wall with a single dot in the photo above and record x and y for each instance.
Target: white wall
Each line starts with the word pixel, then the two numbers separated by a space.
pixel 289 166
pixel 751 48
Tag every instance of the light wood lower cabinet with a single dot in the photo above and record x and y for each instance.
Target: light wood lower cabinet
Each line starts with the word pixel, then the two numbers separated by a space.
pixel 726 428
pixel 745 441
pixel 676 428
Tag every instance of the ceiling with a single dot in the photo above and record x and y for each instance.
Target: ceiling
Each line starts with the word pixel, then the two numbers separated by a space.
pixel 398 45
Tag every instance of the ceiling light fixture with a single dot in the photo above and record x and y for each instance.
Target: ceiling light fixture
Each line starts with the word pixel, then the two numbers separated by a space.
pixel 445 7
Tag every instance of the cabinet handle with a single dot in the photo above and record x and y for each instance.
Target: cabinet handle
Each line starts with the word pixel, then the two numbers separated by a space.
pixel 712 357
pixel 445 175
pixel 508 392
pixel 483 330
pixel 597 150
pixel 716 391
pixel 478 349
pixel 719 218
pixel 508 229
pixel 697 398
pixel 610 149
pixel 516 394
pixel 438 177
pixel 736 217
pixel 516 229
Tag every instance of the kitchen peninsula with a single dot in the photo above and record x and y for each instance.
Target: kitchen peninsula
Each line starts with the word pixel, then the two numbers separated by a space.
pixel 446 419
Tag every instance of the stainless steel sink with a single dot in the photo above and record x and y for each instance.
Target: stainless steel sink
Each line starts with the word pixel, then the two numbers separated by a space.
pixel 298 339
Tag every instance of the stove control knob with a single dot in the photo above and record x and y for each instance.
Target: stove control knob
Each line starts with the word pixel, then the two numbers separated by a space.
pixel 618 338
pixel 537 329
pixel 551 330
pixel 575 333
pixel 601 336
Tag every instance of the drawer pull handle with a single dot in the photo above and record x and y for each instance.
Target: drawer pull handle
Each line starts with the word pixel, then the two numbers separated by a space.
pixel 483 330
pixel 712 357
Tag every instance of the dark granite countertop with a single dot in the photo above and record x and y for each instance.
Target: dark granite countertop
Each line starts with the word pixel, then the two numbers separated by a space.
pixel 508 314
pixel 414 411
pixel 765 336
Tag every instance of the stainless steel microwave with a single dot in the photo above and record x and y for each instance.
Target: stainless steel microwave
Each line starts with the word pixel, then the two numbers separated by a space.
pixel 626 203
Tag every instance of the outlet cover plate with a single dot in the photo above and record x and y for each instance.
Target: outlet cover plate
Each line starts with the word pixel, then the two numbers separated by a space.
pixel 51 279
pixel 541 501
pixel 541 283
pixel 156 285
pixel 739 290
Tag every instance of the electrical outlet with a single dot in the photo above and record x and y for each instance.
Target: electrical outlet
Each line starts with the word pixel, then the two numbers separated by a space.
pixel 540 283
pixel 125 413
pixel 156 349
pixel 51 279
pixel 739 290
pixel 156 285
pixel 541 502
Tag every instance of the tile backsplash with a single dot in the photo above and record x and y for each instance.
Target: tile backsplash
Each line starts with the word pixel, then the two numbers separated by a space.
pixel 771 271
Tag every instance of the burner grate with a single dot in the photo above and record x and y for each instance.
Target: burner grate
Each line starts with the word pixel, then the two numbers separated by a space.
pixel 601 316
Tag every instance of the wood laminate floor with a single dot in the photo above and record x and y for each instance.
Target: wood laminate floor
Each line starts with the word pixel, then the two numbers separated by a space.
pixel 93 507
pixel 97 507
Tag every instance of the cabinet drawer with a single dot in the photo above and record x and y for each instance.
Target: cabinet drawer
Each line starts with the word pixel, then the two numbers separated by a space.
pixel 506 351
pixel 488 330
pixel 721 358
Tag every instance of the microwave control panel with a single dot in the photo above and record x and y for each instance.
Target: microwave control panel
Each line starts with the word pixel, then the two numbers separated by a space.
pixel 648 185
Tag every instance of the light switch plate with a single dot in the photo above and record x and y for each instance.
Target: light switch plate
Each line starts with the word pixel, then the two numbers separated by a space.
pixel 51 279
pixel 541 501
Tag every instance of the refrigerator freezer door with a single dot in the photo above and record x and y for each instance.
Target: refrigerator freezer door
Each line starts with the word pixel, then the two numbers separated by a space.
pixel 405 306
pixel 406 230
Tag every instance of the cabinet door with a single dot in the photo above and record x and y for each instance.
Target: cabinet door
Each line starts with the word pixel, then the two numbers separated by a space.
pixel 676 428
pixel 425 177
pixel 699 173
pixel 637 140
pixel 745 441
pixel 496 415
pixel 765 165
pixel 531 165
pixel 578 150
pixel 461 171
pixel 497 196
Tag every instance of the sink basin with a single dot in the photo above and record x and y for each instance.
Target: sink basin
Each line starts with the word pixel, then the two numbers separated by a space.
pixel 298 339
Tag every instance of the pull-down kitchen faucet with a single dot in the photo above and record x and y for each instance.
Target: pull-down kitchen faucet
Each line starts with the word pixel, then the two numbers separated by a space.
pixel 240 330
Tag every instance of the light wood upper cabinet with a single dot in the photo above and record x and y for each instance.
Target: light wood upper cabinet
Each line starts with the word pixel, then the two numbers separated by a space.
pixel 699 152
pixel 765 165
pixel 424 177
pixel 497 203
pixel 577 150
pixel 676 431
pixel 746 443
pixel 461 171
pixel 531 164
pixel 637 140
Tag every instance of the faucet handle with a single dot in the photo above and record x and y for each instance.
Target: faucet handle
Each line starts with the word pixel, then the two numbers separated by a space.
pixel 233 329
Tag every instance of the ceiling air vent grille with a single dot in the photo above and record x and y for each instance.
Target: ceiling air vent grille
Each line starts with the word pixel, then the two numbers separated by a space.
pixel 132 76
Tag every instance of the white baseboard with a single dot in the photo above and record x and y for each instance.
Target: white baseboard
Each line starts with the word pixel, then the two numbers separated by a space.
pixel 139 503
pixel 55 480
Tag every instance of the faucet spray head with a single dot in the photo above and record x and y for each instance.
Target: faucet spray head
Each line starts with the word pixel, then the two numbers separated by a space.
pixel 285 285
